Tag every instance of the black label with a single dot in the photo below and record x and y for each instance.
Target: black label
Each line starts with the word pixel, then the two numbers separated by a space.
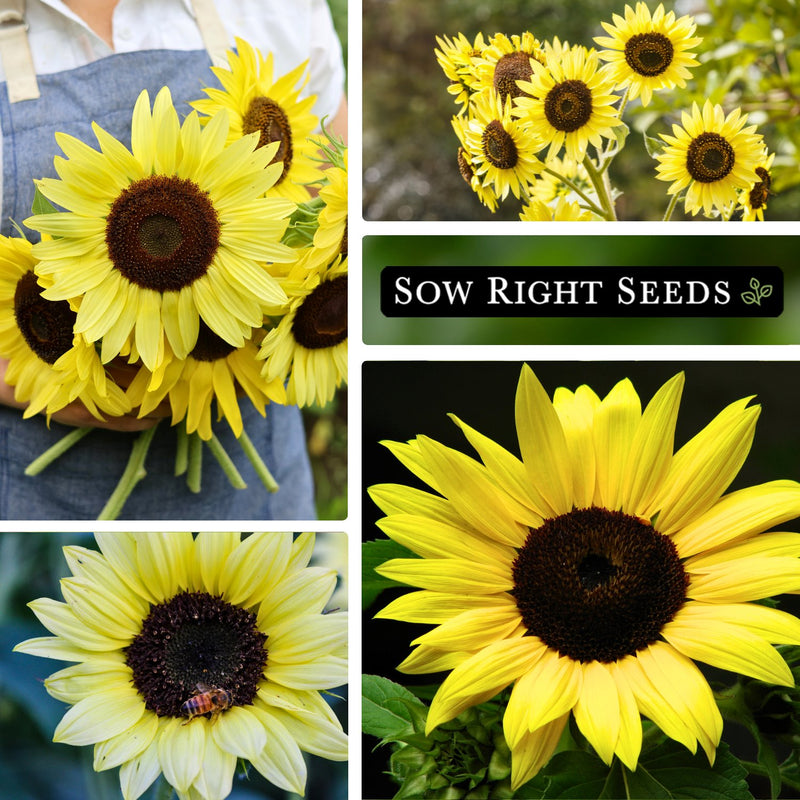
pixel 582 291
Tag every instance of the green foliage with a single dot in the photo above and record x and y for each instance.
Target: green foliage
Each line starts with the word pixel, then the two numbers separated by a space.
pixel 373 554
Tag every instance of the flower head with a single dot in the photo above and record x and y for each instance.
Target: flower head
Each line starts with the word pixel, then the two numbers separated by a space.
pixel 592 572
pixel 458 58
pixel 506 61
pixel 648 53
pixel 754 201
pixel 157 238
pixel 192 653
pixel 711 156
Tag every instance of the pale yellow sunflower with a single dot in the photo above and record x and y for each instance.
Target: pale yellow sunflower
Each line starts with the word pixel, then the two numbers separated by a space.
pixel 568 102
pixel 157 238
pixel 193 653
pixel 711 156
pixel 501 149
pixel 649 53
pixel 258 102
pixel 591 572
pixel 49 365
pixel 308 347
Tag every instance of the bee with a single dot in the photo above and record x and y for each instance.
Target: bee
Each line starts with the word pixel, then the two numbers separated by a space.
pixel 209 700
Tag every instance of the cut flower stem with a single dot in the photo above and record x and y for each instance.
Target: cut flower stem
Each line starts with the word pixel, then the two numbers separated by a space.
pixel 265 476
pixel 224 460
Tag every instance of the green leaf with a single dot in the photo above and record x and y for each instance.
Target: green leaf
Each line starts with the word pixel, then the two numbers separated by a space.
pixel 652 145
pixel 41 205
pixel 373 554
pixel 386 708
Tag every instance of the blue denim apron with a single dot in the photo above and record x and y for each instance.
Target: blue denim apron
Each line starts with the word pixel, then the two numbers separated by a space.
pixel 78 484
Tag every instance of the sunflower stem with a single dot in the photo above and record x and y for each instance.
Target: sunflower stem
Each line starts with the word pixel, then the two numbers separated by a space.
pixel 194 473
pixel 133 474
pixel 224 460
pixel 575 188
pixel 58 449
pixel 673 201
pixel 182 450
pixel 603 188
pixel 259 466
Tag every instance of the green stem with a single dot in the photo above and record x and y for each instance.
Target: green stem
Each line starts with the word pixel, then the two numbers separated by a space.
pixel 228 467
pixel 757 769
pixel 194 474
pixel 575 188
pixel 182 450
pixel 602 187
pixel 58 449
pixel 134 472
pixel 259 466
pixel 673 201
pixel 605 158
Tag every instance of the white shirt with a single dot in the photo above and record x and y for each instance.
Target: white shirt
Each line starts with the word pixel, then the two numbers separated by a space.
pixel 293 30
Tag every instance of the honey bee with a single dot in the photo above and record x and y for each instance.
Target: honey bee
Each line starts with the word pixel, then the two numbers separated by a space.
pixel 209 700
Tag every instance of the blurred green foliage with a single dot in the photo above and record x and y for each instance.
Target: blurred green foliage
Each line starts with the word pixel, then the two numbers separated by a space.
pixel 339 14
pixel 750 57
pixel 732 251
pixel 326 438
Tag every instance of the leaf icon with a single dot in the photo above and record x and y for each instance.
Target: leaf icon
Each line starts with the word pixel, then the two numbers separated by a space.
pixel 750 298
pixel 766 291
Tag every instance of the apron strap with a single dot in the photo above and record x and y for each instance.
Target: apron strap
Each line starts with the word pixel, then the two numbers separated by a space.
pixel 15 52
pixel 215 38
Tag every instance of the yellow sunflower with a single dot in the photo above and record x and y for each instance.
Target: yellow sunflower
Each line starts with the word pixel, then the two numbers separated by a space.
pixel 649 53
pixel 505 61
pixel 257 102
pixel 214 370
pixel 486 194
pixel 49 365
pixel 501 149
pixel 155 239
pixel 562 209
pixel 754 201
pixel 591 572
pixel 458 58
pixel 548 187
pixel 191 653
pixel 713 155
pixel 308 347
pixel 568 101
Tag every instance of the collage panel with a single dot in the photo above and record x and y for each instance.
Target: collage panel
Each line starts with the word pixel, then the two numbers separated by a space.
pixel 591 110
pixel 160 665
pixel 580 578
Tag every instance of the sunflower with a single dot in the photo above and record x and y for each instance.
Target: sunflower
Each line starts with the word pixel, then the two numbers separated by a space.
pixel 549 187
pixel 649 53
pixel 593 571
pixel 713 155
pixel 568 101
pixel 501 150
pixel 505 61
pixel 259 103
pixel 214 370
pixel 49 365
pixel 458 58
pixel 562 210
pixel 155 239
pixel 486 194
pixel 165 628
pixel 754 201
pixel 308 347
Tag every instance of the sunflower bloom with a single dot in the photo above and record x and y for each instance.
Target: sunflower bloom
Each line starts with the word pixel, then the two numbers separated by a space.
pixel 49 365
pixel 486 193
pixel 711 156
pixel 502 151
pixel 562 209
pixel 157 238
pixel 192 653
pixel 505 61
pixel 648 53
pixel 308 347
pixel 257 102
pixel 458 58
pixel 569 101
pixel 754 201
pixel 591 573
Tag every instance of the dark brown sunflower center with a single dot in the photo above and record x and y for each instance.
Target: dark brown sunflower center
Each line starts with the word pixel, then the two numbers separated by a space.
pixel 162 233
pixel 510 68
pixel 45 325
pixel 597 585
pixel 196 638
pixel 709 157
pixel 270 120
pixel 498 146
pixel 649 54
pixel 210 347
pixel 465 165
pixel 321 321
pixel 761 191
pixel 568 105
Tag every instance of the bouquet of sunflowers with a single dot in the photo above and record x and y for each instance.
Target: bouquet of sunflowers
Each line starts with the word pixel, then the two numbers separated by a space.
pixel 529 110
pixel 195 267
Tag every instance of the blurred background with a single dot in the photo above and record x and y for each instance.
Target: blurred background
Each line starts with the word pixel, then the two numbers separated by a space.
pixel 404 399
pixel 750 59
pixel 32 766
pixel 733 251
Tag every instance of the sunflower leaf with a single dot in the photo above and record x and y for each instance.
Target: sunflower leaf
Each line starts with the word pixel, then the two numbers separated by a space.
pixel 652 145
pixel 41 205
pixel 373 554
pixel 386 708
